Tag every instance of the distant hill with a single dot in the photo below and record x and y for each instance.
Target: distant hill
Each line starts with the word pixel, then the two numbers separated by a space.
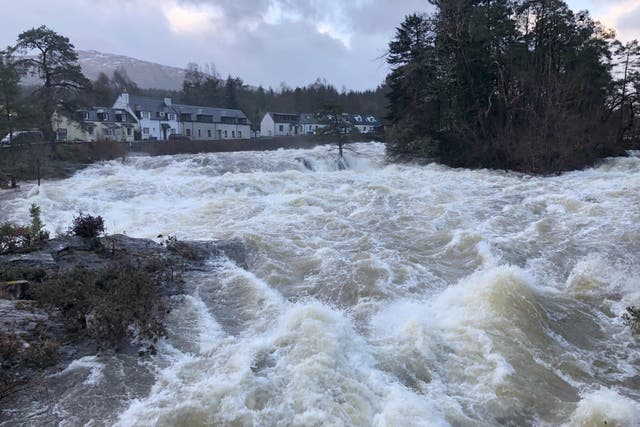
pixel 146 74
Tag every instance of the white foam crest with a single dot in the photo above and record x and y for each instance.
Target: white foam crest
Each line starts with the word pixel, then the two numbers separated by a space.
pixel 605 407
pixel 312 368
pixel 473 342
pixel 92 364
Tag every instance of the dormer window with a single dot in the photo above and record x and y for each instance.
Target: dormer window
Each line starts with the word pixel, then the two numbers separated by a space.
pixel 103 117
pixel 171 116
pixel 358 118
pixel 370 119
pixel 85 115
pixel 145 115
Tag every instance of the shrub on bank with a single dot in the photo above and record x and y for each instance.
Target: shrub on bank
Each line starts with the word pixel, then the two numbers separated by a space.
pixel 87 226
pixel 16 238
pixel 107 305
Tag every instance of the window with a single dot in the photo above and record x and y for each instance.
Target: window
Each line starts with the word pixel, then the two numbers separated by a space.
pixel 199 133
pixel 145 115
pixel 108 132
pixel 233 134
pixel 209 133
pixel 85 115
pixel 225 133
pixel 239 134
pixel 90 130
pixel 145 131
pixel 128 131
pixel 171 116
pixel 188 132
pixel 281 128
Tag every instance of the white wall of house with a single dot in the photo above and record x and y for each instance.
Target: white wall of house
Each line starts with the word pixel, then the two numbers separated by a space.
pixel 311 129
pixel 231 131
pixel 270 128
pixel 267 126
pixel 365 128
pixel 73 129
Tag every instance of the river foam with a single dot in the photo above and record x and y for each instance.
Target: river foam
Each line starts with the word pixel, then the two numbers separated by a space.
pixel 377 294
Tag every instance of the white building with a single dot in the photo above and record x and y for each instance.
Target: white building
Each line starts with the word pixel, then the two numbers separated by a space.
pixel 280 124
pixel 157 119
pixel 208 123
pixel 365 124
pixel 310 124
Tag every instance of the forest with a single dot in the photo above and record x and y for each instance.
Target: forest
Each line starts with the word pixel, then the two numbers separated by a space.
pixel 523 85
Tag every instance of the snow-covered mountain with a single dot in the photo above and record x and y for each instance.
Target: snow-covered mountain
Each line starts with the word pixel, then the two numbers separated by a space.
pixel 146 74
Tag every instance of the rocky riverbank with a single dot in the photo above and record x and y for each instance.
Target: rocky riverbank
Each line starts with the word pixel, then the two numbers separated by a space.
pixel 80 297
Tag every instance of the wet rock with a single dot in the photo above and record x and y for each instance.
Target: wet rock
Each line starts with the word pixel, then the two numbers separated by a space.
pixel 16 289
pixel 38 259
pixel 234 250
pixel 306 163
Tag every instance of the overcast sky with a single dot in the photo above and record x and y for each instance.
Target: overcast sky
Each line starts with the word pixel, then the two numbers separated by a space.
pixel 263 41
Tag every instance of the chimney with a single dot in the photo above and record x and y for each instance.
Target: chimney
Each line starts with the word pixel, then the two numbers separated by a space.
pixel 167 102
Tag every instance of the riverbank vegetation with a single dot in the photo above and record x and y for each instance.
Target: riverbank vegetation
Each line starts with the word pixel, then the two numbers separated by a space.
pixel 526 85
pixel 76 291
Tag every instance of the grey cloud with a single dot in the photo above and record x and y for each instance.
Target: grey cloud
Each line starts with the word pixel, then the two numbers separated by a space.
pixel 630 21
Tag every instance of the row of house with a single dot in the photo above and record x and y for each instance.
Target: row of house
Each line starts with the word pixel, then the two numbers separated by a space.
pixel 159 119
pixel 145 118
pixel 288 124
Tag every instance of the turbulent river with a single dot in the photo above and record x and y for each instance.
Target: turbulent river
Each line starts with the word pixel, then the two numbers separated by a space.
pixel 386 295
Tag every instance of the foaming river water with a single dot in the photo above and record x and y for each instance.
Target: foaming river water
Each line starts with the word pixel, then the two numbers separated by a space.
pixel 386 295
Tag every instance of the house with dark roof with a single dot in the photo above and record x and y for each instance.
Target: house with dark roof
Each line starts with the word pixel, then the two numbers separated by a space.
pixel 365 123
pixel 158 119
pixel 208 123
pixel 287 124
pixel 93 124
pixel 280 124
pixel 309 123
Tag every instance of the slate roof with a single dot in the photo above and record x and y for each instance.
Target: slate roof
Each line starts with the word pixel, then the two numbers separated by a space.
pixel 94 111
pixel 364 120
pixel 293 118
pixel 157 105
pixel 216 113
pixel 309 119
pixel 152 105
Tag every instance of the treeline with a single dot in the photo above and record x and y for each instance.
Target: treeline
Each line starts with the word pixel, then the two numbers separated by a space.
pixel 516 84
pixel 203 86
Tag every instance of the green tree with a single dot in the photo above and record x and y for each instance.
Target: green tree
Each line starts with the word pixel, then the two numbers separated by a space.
pixel 516 84
pixel 231 92
pixel 626 97
pixel 10 73
pixel 53 60
pixel 336 125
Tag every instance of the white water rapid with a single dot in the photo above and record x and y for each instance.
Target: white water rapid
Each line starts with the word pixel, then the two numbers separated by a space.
pixel 379 295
